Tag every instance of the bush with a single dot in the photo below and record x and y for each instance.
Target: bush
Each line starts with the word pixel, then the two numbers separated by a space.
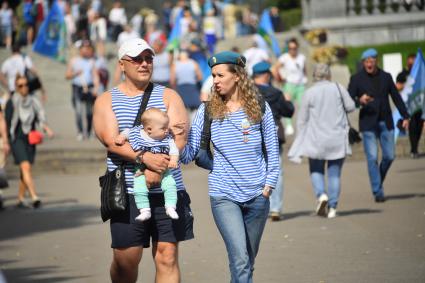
pixel 291 18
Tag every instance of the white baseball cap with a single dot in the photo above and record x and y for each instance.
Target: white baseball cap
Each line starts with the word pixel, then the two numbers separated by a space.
pixel 133 47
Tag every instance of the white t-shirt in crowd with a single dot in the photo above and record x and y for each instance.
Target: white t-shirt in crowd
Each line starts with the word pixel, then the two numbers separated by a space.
pixel 253 56
pixel 292 69
pixel 117 16
pixel 13 66
pixel 6 17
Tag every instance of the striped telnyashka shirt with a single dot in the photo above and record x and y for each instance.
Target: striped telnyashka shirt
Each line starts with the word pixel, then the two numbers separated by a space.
pixel 240 171
pixel 125 109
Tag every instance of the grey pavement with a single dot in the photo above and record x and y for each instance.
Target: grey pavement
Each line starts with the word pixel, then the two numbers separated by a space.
pixel 65 240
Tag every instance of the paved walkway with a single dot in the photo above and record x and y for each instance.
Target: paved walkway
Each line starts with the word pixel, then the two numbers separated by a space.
pixel 66 241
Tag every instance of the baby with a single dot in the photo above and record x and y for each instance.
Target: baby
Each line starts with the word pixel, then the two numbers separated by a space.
pixel 153 137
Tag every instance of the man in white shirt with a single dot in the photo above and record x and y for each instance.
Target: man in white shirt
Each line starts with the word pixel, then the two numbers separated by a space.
pixel 14 65
pixel 255 55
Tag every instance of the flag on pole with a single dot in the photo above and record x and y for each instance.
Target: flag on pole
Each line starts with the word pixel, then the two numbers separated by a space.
pixel 175 34
pixel 265 29
pixel 414 90
pixel 48 41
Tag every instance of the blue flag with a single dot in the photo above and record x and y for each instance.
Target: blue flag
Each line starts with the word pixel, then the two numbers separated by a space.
pixel 265 29
pixel 414 90
pixel 175 34
pixel 49 35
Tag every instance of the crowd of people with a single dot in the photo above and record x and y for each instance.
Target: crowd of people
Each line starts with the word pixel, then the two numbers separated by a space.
pixel 247 105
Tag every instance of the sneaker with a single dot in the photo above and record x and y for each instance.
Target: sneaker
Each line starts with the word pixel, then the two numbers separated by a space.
pixel 414 155
pixel 380 199
pixel 289 130
pixel 145 214
pixel 80 137
pixel 36 203
pixel 275 216
pixel 22 205
pixel 171 212
pixel 332 213
pixel 322 202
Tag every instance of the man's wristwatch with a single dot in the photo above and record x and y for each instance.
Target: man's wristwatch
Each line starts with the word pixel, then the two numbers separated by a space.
pixel 139 158
pixel 268 190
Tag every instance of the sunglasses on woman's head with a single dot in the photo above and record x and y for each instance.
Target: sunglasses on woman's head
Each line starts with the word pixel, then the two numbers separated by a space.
pixel 138 60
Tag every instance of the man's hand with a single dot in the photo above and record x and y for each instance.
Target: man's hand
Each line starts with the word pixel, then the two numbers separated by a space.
pixel 405 124
pixel 156 162
pixel 365 99
pixel 267 191
pixel 153 179
pixel 120 139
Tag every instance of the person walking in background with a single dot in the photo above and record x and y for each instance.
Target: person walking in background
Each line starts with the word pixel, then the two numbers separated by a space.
pixel 6 24
pixel 416 120
pixel 4 151
pixel 370 88
pixel 243 175
pixel 162 62
pixel 322 136
pixel 280 107
pixel 114 111
pixel 23 113
pixel 255 55
pixel 85 85
pixel 184 77
pixel 16 65
pixel 291 70
pixel 117 20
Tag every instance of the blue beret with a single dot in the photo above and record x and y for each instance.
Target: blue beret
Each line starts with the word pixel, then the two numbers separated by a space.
pixel 227 57
pixel 371 52
pixel 261 67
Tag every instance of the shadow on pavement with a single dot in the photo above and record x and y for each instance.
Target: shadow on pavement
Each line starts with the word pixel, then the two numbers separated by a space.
pixel 292 215
pixel 404 196
pixel 35 274
pixel 417 169
pixel 50 217
pixel 358 211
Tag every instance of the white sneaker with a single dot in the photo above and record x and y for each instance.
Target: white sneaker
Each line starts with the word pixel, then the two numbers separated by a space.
pixel 145 214
pixel 171 211
pixel 322 202
pixel 289 130
pixel 80 137
pixel 332 213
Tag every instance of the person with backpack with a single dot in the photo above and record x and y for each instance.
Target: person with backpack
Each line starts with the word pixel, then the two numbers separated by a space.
pixel 245 160
pixel 280 107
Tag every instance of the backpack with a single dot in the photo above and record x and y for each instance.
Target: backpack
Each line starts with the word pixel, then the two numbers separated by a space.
pixel 204 157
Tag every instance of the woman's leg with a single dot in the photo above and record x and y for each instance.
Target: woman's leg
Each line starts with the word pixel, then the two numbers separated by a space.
pixel 317 175
pixel 334 181
pixel 22 189
pixel 27 179
pixel 230 222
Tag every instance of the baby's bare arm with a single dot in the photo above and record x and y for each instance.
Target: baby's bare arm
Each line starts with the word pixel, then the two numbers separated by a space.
pixel 174 161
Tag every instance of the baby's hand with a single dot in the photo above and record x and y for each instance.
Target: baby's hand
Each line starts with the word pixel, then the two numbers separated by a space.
pixel 172 164
pixel 120 139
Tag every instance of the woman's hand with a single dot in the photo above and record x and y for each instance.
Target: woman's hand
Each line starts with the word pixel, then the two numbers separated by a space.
pixel 6 147
pixel 50 134
pixel 156 162
pixel 267 191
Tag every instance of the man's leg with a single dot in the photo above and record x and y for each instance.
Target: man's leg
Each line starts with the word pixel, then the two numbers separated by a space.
pixel 165 255
pixel 371 150
pixel 125 264
pixel 415 131
pixel 386 139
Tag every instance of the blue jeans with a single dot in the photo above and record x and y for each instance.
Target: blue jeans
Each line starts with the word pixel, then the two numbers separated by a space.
pixel 277 195
pixel 377 172
pixel 241 225
pixel 317 175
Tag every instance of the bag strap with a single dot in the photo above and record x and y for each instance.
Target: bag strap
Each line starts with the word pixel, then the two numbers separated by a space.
pixel 343 105
pixel 143 104
pixel 206 130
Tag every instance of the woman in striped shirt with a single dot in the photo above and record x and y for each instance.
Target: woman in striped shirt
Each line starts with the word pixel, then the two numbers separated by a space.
pixel 246 160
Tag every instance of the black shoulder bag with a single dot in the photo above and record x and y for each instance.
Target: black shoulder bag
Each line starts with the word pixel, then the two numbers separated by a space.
pixel 113 196
pixel 353 134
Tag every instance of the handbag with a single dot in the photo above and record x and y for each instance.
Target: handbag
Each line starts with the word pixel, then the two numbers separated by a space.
pixel 113 195
pixel 353 134
pixel 34 82
pixel 35 137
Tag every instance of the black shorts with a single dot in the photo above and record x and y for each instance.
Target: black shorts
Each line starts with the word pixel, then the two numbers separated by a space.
pixel 126 232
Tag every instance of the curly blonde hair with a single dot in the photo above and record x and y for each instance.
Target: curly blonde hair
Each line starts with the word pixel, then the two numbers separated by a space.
pixel 248 94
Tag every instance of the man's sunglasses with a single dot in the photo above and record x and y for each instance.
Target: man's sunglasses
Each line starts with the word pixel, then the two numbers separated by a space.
pixel 138 60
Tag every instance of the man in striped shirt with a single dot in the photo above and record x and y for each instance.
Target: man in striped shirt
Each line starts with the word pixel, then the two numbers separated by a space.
pixel 115 110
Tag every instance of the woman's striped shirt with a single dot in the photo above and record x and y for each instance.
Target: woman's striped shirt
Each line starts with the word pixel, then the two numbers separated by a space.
pixel 125 109
pixel 240 171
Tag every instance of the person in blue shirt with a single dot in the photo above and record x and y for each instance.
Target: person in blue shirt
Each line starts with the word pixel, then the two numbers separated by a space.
pixel 246 160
